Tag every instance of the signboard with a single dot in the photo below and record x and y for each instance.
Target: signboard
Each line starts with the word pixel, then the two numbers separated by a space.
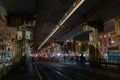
pixel 19 35
pixel 28 35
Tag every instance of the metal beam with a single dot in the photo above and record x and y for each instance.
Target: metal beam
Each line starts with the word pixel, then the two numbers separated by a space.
pixel 100 6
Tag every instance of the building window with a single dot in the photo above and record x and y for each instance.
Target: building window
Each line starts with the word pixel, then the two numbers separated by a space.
pixel 105 45
pixel 109 39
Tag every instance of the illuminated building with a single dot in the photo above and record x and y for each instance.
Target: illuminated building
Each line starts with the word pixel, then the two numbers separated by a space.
pixel 109 39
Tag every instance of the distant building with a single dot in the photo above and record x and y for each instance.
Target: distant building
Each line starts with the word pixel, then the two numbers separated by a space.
pixel 106 38
pixel 110 38
pixel 106 41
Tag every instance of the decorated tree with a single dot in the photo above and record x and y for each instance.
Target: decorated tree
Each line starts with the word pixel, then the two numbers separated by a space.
pixel 83 47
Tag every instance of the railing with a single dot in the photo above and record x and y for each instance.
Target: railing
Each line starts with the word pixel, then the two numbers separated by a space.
pixel 113 65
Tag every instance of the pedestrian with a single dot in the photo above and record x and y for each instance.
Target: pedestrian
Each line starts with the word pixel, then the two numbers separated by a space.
pixel 72 59
pixel 82 60
pixel 77 59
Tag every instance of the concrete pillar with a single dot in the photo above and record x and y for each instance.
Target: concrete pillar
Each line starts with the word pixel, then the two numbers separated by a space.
pixel 93 35
pixel 93 41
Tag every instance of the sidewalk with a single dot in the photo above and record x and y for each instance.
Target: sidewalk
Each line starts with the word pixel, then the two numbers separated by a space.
pixel 101 71
pixel 18 73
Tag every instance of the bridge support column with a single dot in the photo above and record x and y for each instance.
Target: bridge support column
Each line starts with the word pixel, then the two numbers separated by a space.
pixel 93 42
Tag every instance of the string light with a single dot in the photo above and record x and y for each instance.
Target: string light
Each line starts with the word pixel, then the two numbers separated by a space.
pixel 73 8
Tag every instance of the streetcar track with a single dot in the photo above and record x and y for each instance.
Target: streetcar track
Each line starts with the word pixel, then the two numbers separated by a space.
pixel 43 72
pixel 88 72
pixel 58 73
pixel 79 72
pixel 77 76
pixel 66 77
pixel 70 72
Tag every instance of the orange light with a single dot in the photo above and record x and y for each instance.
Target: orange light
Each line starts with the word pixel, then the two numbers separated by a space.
pixel 49 46
pixel 100 37
pixel 104 36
